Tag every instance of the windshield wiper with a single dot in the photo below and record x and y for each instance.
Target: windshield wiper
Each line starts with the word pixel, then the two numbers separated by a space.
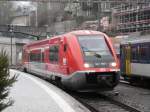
pixel 97 55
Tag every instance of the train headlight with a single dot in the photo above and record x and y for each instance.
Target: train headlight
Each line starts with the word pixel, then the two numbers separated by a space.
pixel 113 64
pixel 86 65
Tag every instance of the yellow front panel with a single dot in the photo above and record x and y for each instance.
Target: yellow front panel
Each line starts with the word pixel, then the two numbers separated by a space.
pixel 128 60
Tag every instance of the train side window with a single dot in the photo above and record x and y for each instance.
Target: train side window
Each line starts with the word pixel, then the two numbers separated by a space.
pixel 35 57
pixel 134 56
pixel 32 57
pixel 54 51
pixel 38 57
pixel 144 53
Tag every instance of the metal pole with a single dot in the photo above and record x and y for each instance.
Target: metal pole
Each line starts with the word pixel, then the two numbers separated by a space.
pixel 11 48
pixel 11 36
pixel 36 18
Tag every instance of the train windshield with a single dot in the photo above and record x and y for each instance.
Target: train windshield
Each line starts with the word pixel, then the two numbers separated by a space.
pixel 95 49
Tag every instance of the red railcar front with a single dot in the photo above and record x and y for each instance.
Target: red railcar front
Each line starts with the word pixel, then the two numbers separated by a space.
pixel 92 62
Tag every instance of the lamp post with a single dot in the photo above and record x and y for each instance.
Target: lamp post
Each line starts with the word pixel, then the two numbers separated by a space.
pixel 11 29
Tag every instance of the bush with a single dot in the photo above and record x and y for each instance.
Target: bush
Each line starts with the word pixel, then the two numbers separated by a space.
pixel 6 81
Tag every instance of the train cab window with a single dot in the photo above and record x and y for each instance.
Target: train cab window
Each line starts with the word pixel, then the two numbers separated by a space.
pixel 95 49
pixel 94 43
pixel 54 51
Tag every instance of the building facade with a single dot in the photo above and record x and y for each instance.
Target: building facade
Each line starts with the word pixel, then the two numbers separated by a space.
pixel 131 18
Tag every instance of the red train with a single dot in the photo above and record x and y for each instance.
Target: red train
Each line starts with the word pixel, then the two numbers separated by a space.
pixel 79 60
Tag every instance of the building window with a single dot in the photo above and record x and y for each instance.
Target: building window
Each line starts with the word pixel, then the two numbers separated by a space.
pixel 54 53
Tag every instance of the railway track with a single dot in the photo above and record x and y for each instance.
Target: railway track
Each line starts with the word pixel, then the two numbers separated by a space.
pixel 140 86
pixel 126 107
pixel 102 103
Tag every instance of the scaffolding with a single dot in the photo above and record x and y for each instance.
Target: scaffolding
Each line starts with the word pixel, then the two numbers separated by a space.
pixel 132 18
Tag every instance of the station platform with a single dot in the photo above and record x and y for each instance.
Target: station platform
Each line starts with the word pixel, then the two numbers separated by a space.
pixel 32 94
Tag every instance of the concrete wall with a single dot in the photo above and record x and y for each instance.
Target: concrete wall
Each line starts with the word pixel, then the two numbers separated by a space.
pixel 17 44
pixel 21 21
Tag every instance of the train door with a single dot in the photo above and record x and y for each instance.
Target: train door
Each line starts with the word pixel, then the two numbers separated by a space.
pixel 54 57
pixel 25 59
pixel 28 61
pixel 42 62
pixel 46 60
pixel 35 61
pixel 64 57
pixel 126 59
pixel 122 53
pixel 64 64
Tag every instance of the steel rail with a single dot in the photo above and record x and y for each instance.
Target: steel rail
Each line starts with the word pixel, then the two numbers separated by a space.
pixel 123 105
pixel 120 105
pixel 139 86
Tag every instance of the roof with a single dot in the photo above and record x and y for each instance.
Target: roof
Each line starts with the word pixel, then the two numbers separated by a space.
pixel 85 32
pixel 137 40
pixel 78 32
